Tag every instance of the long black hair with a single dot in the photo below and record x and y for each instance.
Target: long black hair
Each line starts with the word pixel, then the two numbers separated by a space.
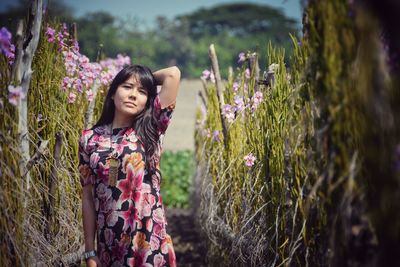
pixel 145 123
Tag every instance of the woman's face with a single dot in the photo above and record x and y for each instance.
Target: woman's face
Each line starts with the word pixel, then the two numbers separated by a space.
pixel 130 97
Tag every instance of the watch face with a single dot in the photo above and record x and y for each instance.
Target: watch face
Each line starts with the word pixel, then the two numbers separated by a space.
pixel 89 254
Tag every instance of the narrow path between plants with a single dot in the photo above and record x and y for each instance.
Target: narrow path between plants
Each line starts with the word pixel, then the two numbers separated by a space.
pixel 190 248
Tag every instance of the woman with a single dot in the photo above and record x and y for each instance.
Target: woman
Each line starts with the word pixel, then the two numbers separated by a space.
pixel 119 167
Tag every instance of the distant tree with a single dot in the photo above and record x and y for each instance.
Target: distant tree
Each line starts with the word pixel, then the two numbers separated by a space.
pixel 240 20
pixel 97 28
pixel 55 9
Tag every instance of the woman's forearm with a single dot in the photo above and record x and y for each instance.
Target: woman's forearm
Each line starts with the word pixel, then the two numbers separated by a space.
pixel 169 79
pixel 88 218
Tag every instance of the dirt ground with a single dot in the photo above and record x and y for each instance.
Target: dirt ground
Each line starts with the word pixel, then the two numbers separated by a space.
pixel 190 248
pixel 179 135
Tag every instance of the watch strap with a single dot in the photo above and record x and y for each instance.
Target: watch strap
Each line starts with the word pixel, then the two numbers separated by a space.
pixel 88 254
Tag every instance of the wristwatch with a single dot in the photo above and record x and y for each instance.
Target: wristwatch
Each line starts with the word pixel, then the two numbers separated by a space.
pixel 88 254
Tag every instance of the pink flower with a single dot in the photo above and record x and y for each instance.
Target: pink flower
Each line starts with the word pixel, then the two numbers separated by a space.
pixel 239 103
pixel 121 61
pixel 154 243
pixel 75 46
pixel 66 83
pixel 242 57
pixel 159 260
pixel 149 224
pixel 257 98
pixel 228 112
pixel 249 159
pixel 89 94
pixel 15 94
pixel 50 32
pixel 159 230
pixel 71 98
pixel 130 216
pixel 205 74
pixel 158 215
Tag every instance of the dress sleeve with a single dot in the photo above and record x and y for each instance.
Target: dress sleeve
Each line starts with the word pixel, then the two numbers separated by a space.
pixel 85 171
pixel 163 115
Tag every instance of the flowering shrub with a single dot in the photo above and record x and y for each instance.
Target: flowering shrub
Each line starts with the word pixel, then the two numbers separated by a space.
pixel 81 74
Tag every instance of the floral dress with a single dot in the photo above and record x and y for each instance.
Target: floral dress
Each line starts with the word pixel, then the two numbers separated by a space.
pixel 131 222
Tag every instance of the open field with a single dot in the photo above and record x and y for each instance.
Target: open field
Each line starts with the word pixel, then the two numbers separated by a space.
pixel 180 133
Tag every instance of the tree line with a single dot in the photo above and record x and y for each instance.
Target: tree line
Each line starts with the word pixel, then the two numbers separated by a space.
pixel 183 40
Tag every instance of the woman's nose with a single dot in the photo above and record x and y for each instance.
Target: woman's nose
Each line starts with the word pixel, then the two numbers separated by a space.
pixel 133 93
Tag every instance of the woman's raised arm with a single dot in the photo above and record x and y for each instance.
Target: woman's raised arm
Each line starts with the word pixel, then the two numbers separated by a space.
pixel 169 79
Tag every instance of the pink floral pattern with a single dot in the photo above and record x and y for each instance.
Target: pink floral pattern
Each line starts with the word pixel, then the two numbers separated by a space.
pixel 131 223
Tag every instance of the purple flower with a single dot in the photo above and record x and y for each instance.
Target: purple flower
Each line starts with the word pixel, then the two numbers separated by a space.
pixel 66 83
pixel 249 159
pixel 5 36
pixel 239 103
pixel 216 136
pixel 15 94
pixel 6 47
pixel 242 57
pixel 50 32
pixel 77 85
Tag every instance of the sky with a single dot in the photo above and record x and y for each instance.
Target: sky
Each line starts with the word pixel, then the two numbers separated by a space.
pixel 147 10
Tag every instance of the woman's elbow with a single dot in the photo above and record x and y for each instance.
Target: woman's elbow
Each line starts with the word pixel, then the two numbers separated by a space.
pixel 175 72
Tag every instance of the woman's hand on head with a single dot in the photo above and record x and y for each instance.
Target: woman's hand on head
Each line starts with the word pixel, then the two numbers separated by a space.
pixel 93 262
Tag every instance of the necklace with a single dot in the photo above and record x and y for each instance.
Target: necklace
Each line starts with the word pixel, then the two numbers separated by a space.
pixel 113 170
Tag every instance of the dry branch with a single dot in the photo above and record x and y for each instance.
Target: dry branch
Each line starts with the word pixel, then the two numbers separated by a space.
pixel 89 112
pixel 254 69
pixel 220 90
pixel 38 155
pixel 22 73
pixel 53 183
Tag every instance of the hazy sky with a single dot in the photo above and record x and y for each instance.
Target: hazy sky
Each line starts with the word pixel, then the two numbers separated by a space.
pixel 147 10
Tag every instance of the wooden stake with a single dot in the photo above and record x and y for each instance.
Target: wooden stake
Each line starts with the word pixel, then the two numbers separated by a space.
pixel 22 74
pixel 220 89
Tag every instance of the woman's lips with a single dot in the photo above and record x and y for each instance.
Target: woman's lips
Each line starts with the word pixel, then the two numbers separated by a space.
pixel 130 104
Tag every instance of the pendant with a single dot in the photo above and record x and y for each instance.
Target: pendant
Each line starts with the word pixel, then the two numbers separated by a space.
pixel 113 172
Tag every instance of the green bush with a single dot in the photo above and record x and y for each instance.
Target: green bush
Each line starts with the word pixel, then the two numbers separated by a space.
pixel 176 169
